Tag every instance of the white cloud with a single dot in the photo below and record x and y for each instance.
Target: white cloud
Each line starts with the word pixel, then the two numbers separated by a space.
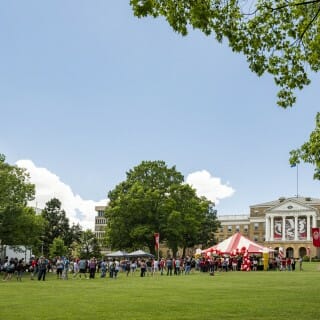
pixel 48 186
pixel 209 186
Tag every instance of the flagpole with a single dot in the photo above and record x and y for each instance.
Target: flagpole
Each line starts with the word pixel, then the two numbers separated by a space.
pixel 297 182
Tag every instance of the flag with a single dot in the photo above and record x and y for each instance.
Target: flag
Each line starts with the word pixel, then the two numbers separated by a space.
pixel 157 240
pixel 316 237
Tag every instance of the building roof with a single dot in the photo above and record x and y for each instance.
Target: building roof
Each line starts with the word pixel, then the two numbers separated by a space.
pixel 300 199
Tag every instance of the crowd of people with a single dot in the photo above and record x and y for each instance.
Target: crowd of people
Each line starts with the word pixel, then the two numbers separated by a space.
pixel 66 268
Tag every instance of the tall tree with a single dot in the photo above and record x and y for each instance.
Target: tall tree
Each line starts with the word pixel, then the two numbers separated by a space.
pixel 57 224
pixel 153 199
pixel 134 212
pixel 278 37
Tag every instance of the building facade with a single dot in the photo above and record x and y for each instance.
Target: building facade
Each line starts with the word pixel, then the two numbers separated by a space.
pixel 100 223
pixel 284 223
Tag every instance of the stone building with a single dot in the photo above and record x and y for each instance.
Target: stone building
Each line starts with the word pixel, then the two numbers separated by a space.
pixel 284 223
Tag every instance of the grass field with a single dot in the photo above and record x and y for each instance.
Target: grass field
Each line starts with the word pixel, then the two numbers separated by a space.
pixel 227 295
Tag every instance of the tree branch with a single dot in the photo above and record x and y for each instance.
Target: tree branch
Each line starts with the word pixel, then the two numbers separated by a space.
pixel 295 4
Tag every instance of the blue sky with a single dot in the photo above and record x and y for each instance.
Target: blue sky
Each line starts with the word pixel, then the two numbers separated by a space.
pixel 88 91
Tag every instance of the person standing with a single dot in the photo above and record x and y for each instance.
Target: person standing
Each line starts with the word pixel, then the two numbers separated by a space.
pixel 187 265
pixel 162 266
pixel 59 267
pixel 300 263
pixel 293 264
pixel 103 268
pixel 75 268
pixel 92 268
pixel 34 268
pixel 66 263
pixel 169 265
pixel 42 266
pixel 83 268
pixel 177 267
pixel 19 269
pixel 143 267
pixel 128 267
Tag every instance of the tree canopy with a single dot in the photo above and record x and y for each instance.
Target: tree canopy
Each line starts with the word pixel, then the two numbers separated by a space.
pixel 277 37
pixel 309 152
pixel 15 188
pixel 154 199
pixel 19 224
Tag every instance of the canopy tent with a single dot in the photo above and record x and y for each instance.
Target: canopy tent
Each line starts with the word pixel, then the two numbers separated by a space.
pixel 117 254
pixel 237 244
pixel 140 253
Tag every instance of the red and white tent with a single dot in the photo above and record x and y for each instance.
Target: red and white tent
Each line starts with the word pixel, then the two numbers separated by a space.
pixel 236 244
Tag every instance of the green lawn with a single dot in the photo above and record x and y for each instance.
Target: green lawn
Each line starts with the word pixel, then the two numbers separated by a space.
pixel 232 295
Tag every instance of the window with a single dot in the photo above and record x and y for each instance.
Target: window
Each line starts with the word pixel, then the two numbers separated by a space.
pixel 255 238
pixel 237 228
pixel 256 226
pixel 229 228
pixel 100 213
pixel 245 228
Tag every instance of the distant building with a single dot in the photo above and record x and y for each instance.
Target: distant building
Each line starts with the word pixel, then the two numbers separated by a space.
pixel 100 223
pixel 285 223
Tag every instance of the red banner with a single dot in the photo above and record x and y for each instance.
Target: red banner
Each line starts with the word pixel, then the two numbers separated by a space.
pixel 316 237
pixel 157 240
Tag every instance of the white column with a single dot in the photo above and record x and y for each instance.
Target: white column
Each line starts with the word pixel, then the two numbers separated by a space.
pixel 296 228
pixel 271 228
pixel 267 228
pixel 314 221
pixel 308 227
pixel 283 228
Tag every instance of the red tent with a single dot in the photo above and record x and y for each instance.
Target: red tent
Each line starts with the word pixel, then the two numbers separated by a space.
pixel 237 244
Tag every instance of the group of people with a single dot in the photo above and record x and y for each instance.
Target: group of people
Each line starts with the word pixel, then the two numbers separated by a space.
pixel 66 268
pixel 12 267
pixel 88 268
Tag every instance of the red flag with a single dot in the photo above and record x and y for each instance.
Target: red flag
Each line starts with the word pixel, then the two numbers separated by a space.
pixel 156 240
pixel 316 237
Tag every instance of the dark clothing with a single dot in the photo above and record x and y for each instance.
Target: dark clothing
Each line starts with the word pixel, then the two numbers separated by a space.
pixel 43 263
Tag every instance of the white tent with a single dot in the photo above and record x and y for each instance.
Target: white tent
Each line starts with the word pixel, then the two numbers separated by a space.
pixel 117 254
pixel 140 253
